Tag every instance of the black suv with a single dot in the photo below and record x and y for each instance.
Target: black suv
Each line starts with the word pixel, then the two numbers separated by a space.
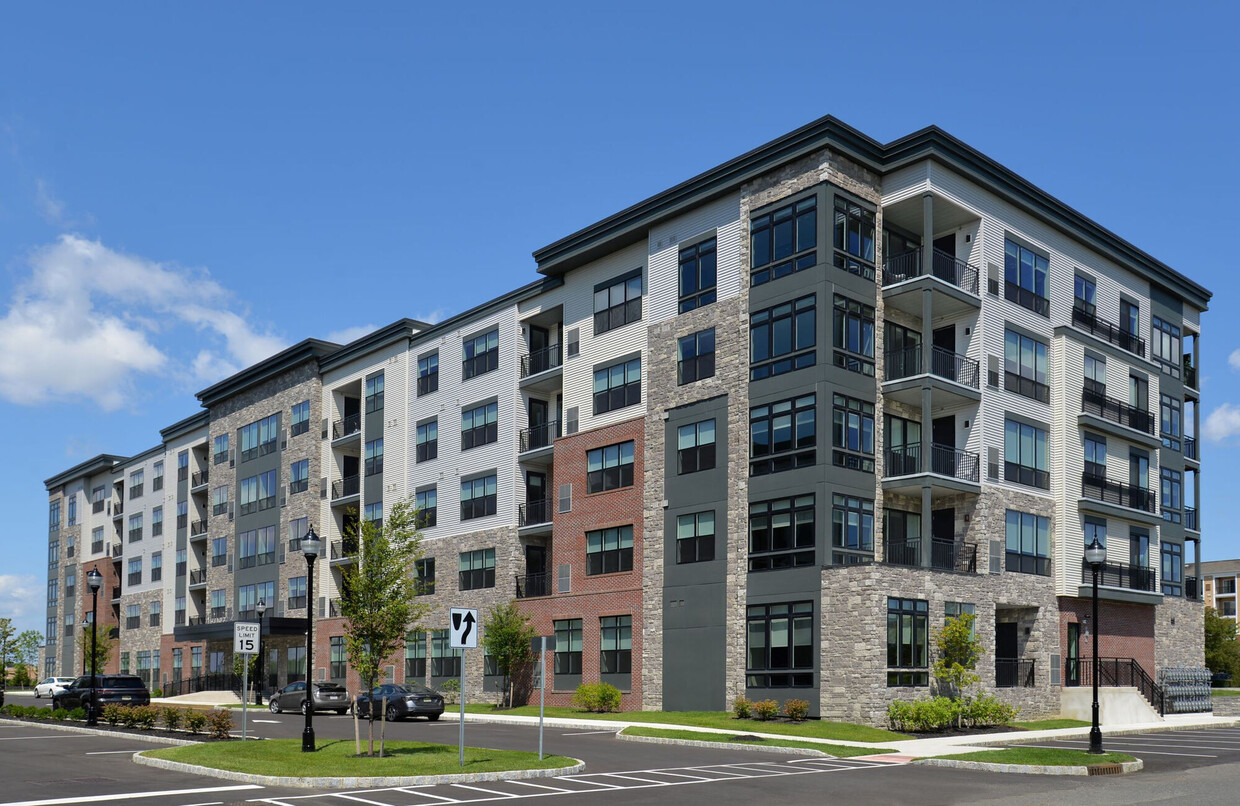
pixel 109 689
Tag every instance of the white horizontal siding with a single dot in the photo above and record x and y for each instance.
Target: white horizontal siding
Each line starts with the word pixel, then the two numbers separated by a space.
pixel 903 183
pixel 663 289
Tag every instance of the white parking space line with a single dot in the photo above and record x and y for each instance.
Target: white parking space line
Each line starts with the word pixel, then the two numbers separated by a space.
pixel 632 778
pixel 588 733
pixel 52 736
pixel 114 752
pixel 1164 743
pixel 409 790
pixel 267 721
pixel 364 800
pixel 543 786
pixel 682 775
pixel 132 795
pixel 583 781
pixel 488 791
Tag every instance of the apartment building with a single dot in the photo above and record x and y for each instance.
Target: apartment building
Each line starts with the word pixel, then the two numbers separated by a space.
pixel 1218 579
pixel 758 434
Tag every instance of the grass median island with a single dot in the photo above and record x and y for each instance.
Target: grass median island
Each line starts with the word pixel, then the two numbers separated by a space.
pixel 843 751
pixel 1041 756
pixel 722 720
pixel 335 759
pixel 1051 724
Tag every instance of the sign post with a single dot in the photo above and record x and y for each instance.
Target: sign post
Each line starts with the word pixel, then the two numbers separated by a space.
pixel 245 644
pixel 540 645
pixel 463 634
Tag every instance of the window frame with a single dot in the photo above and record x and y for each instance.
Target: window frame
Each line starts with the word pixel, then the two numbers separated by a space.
pixel 801 218
pixel 908 658
pixel 1026 381
pixel 615 645
pixel 763 667
pixel 769 548
pixel 1031 475
pixel 851 221
pixel 373 393
pixel 695 537
pixel 618 458
pixel 477 362
pixel 617 393
pixel 801 414
pixel 695 357
pixel 428 373
pixel 616 313
pixel 609 550
pixel 427 445
pixel 844 410
pixel 299 418
pixel 1032 550
pixel 470 509
pixel 800 319
pixel 695 455
pixel 694 262
pixel 1015 288
pixel 474 435
pixel 568 634
pixel 851 319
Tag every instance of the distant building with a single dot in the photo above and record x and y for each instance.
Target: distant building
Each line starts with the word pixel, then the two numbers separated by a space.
pixel 1218 580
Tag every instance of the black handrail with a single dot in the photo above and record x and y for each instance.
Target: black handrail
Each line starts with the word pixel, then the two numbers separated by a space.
pixel 349 485
pixel 533 585
pixel 903 551
pixel 532 513
pixel 1013 673
pixel 953 555
pixel 1100 488
pixel 1192 589
pixel 1124 672
pixel 902 461
pixel 1190 519
pixel 948 268
pixel 1190 447
pixel 1117 411
pixel 1120 575
pixel 949 461
pixel 954 367
pixel 219 681
pixel 538 436
pixel 1088 321
pixel 540 360
pixel 200 478
pixel 349 425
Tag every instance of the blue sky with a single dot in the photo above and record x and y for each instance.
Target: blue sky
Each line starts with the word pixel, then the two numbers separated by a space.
pixel 185 189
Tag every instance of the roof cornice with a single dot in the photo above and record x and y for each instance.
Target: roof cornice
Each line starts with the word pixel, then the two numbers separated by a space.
pixel 96 464
pixel 306 350
pixel 182 427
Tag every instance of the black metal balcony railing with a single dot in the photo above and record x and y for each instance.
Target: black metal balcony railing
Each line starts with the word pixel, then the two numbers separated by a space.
pixel 948 268
pixel 1192 589
pixel 347 426
pixel 538 436
pixel 533 585
pixel 1190 519
pixel 953 555
pixel 1026 387
pixel 344 549
pixel 903 551
pixel 540 360
pixel 198 577
pixel 198 528
pixel 1190 447
pixel 1120 575
pixel 116 592
pixel 219 613
pixel 200 478
pixel 1100 488
pixel 118 549
pixel 902 363
pixel 333 608
pixel 1190 375
pixel 118 509
pixel 906 362
pixel 1121 672
pixel 904 460
pixel 349 485
pixel 1025 298
pixel 1088 321
pixel 532 513
pixel 1117 411
pixel 953 462
pixel 206 682
pixel 194 621
pixel 1013 673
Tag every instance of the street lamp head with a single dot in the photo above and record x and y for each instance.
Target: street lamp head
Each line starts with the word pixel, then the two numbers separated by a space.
pixel 1095 554
pixel 261 607
pixel 311 545
pixel 94 579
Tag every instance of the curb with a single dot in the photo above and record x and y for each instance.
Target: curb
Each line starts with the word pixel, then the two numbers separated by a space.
pixel 1023 769
pixel 1170 728
pixel 356 783
pixel 138 737
pixel 790 751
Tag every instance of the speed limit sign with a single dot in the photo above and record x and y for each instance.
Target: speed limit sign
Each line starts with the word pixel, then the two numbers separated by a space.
pixel 245 638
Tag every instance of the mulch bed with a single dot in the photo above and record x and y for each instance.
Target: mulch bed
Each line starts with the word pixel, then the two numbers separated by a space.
pixel 119 729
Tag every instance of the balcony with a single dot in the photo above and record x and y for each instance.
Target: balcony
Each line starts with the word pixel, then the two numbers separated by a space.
pixel 535 513
pixel 954 282
pixel 1014 673
pixel 950 471
pixel 537 437
pixel 347 426
pixel 343 552
pixel 118 509
pixel 955 378
pixel 194 621
pixel 945 555
pixel 116 593
pixel 541 361
pixel 1190 374
pixel 197 578
pixel 1138 501
pixel 118 549
pixel 334 609
pixel 345 487
pixel 1120 575
pixel 1087 320
pixel 1192 589
pixel 219 613
pixel 1190 449
pixel 199 480
pixel 197 529
pixel 531 586
pixel 1190 520
pixel 1106 412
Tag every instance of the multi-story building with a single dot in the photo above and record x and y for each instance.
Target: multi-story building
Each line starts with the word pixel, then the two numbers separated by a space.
pixel 758 434
pixel 1218 580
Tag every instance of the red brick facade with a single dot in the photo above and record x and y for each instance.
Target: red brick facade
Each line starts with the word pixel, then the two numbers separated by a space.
pixel 109 615
pixel 1127 630
pixel 593 597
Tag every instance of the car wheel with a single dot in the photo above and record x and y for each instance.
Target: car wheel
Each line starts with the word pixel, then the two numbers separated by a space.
pixel 36 694
pixel 273 706
pixel 392 714
pixel 305 706
pixel 433 718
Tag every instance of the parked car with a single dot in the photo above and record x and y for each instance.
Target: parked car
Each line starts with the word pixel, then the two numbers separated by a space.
pixel 403 700
pixel 327 697
pixel 1220 678
pixel 109 689
pixel 51 686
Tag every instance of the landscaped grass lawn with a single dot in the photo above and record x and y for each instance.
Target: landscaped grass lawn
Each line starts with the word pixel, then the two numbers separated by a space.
pixel 1051 724
pixel 841 750
pixel 1219 692
pixel 334 758
pixel 1041 756
pixel 722 720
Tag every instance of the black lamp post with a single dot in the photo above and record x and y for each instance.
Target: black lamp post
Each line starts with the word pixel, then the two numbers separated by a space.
pixel 310 546
pixel 95 580
pixel 1096 556
pixel 261 607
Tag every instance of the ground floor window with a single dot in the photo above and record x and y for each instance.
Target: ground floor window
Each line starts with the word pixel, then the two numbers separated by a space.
pixel 415 656
pixel 616 636
pixel 568 646
pixel 338 663
pixel 295 664
pixel 907 655
pixel 780 643
pixel 445 661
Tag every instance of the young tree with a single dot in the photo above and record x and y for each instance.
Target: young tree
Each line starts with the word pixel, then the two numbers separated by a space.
pixel 506 635
pixel 6 638
pixel 378 597
pixel 26 654
pixel 1222 649
pixel 958 652
pixel 102 650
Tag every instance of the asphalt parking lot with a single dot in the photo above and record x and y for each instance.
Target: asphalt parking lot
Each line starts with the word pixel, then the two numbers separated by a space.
pixel 1166 751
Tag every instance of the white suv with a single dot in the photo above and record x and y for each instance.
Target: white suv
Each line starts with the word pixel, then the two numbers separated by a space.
pixel 52 686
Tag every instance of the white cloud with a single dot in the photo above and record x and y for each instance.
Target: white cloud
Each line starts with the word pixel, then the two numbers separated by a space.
pixel 433 318
pixel 19 600
pixel 350 334
pixel 1223 423
pixel 1234 359
pixel 50 207
pixel 89 321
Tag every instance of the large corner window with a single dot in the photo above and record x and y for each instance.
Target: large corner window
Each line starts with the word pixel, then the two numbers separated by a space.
pixel 1028 543
pixel 782 436
pixel 1025 277
pixel 854 238
pixel 779 645
pixel 783 241
pixel 907 642
pixel 781 533
pixel 782 338
pixel 618 302
pixel 854 336
pixel 697 275
pixel 1165 346
pixel 1024 455
pixel 852 433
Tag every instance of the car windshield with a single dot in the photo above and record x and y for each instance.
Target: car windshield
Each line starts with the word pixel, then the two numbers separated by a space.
pixel 328 687
pixel 416 688
pixel 122 682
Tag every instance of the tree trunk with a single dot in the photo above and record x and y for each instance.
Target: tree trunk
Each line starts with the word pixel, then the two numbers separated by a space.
pixel 357 735
pixel 383 727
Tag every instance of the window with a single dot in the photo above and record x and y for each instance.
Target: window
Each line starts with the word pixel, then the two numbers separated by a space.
pixel 428 374
pixel 157 566
pixel 258 492
pixel 780 645
pixel 1024 455
pixel 299 476
pixel 615 644
pixel 259 439
pixel 70 586
pixel 609 468
pixel 180 568
pixel 695 356
pixel 695 537
pixel 478 426
pixel 953 610
pixel 697 275
pixel 1095 374
pixel 782 436
pixel 1085 295
pixel 296 593
pixel 69 619
pixel 70 545
pixel 183 466
pixel 415 656
pixel 157 521
pixel 338 664
pixel 53 517
pixel 96 500
pixel 424 575
pixel 135 572
pixel 1024 364
pixel 125 662
pixel 428 441
pixel 1138 393
pixel 373 513
pixel 1172 569
pixel 907 623
pixel 781 533
pixel 1139 468
pixel 1171 418
pixel 781 339
pixel 182 514
pixel 617 302
pixel 248 597
pixel 477 569
pixel 297 527
pixel 852 433
pixel 53 593
pixel 219 551
pixel 257 547
pixel 695 447
pixel 425 501
pixel 783 241
pixel 295 660
pixel 617 386
pixel 219 500
pixel 1172 487
pixel 852 523
pixel 481 355
pixel 135 527
pixel 1095 456
pixel 478 497
pixel 374 393
pixel 445 661
pixel 1129 319
pixel 1025 276
pixel 854 238
pixel 854 336
pixel 568 646
pixel 133 617
pixel 136 484
pixel 155 613
pixel 73 508
pixel 374 457
pixel 96 540
pixel 220 446
pixel 1028 543
pixel 609 551
pixel 300 421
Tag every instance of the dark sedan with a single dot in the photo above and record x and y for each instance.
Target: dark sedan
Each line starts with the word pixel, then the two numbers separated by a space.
pixel 109 689
pixel 327 697
pixel 403 700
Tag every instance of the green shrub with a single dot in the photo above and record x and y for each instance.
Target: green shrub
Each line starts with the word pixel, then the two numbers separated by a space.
pixel 171 717
pixel 921 716
pixel 78 714
pixel 195 721
pixel 113 714
pixel 159 692
pixel 598 698
pixel 145 716
pixel 129 716
pixel 796 710
pixel 986 710
pixel 765 710
pixel 742 706
pixel 219 722
pixel 60 714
